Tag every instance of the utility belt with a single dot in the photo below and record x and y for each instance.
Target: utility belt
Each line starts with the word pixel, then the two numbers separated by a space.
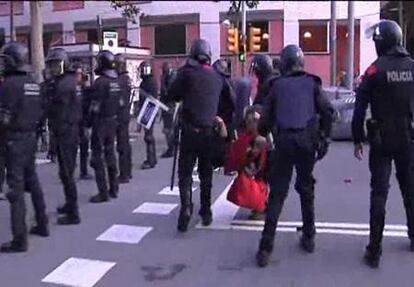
pixel 311 126
pixel 195 128
pixel 380 133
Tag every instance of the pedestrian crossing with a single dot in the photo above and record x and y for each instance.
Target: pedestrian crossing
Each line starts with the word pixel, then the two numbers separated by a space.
pixel 88 272
pixel 76 271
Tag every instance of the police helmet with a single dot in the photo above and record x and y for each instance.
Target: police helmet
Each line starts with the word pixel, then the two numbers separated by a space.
pixel 57 61
pixel 387 34
pixel 261 65
pixel 120 63
pixel 145 69
pixel 105 61
pixel 222 67
pixel 14 57
pixel 292 59
pixel 201 51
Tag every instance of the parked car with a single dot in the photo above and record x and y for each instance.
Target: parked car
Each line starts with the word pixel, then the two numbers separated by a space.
pixel 343 101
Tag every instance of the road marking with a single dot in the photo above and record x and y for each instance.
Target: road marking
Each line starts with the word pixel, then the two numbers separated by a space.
pixel 387 233
pixel 124 234
pixel 79 272
pixel 42 161
pixel 223 210
pixel 155 208
pixel 176 191
pixel 336 225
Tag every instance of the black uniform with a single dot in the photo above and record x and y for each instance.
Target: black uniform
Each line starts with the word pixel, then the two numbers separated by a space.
pixel 242 89
pixel 294 123
pixel 21 111
pixel 388 87
pixel 167 79
pixel 105 104
pixel 149 85
pixel 199 88
pixel 123 144
pixel 64 114
pixel 227 100
pixel 262 68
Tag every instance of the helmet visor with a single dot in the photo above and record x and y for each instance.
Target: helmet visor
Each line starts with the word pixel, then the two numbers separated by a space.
pixel 55 67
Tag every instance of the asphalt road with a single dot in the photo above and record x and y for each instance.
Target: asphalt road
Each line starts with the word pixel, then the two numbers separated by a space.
pixel 132 241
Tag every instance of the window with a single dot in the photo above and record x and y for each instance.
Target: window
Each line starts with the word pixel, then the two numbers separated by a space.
pixel 67 5
pixel 264 30
pixel 92 36
pixel 5 8
pixel 170 39
pixel 313 36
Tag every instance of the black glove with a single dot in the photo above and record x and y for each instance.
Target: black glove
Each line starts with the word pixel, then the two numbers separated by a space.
pixel 322 149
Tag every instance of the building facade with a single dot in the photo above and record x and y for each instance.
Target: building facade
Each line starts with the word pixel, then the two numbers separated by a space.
pixel 169 27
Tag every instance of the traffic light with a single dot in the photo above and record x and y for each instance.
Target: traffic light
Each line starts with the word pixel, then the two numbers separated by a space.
pixel 254 39
pixel 242 52
pixel 233 40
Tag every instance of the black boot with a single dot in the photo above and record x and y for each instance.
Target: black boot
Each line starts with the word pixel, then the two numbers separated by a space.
pixel 168 154
pixel 206 215
pixel 265 251
pixel 412 245
pixel 63 209
pixel 40 230
pixel 307 243
pixel 69 219
pixel 113 194
pixel 85 176
pixel 100 197
pixel 15 246
pixel 184 217
pixel 147 165
pixel 372 257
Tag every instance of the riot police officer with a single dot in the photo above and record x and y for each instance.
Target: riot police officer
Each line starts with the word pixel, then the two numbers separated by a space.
pixel 84 130
pixel 295 134
pixel 148 87
pixel 167 77
pixel 122 132
pixel 64 112
pixel 20 113
pixel 388 87
pixel 228 98
pixel 261 67
pixel 106 101
pixel 199 88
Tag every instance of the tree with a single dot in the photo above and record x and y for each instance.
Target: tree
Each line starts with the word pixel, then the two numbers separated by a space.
pixel 236 5
pixel 129 10
pixel 36 43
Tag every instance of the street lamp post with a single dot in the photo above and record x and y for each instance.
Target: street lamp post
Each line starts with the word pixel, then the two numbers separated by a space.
pixel 243 45
pixel 350 58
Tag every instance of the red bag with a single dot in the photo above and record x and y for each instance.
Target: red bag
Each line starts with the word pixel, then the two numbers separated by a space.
pixel 236 154
pixel 248 192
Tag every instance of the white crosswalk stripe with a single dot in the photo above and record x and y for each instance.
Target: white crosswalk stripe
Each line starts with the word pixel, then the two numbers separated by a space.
pixel 224 213
pixel 79 272
pixel 124 234
pixel 155 208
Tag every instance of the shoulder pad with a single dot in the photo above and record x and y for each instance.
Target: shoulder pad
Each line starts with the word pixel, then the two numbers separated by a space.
pixel 371 70
pixel 316 78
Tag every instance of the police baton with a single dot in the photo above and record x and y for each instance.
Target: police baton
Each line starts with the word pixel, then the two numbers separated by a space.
pixel 177 139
